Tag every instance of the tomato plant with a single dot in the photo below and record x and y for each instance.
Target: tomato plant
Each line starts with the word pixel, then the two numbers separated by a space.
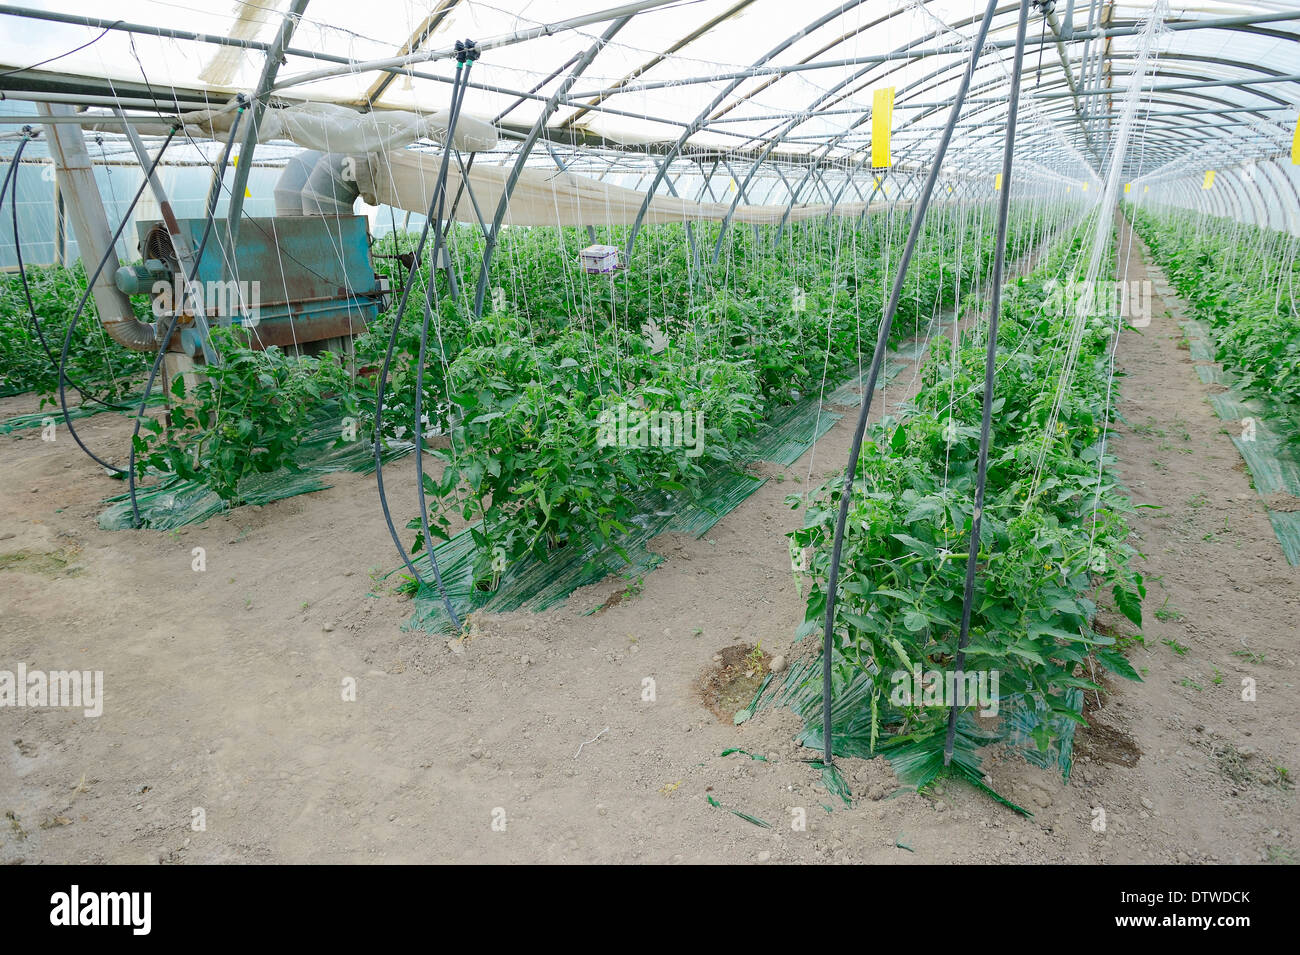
pixel 1053 530
pixel 246 416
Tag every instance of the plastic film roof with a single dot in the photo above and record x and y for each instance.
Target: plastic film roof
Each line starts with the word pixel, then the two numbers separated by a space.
pixel 744 80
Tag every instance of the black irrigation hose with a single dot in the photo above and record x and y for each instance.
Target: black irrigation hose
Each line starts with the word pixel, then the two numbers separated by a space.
pixel 81 305
pixel 28 136
pixel 13 165
pixel 458 84
pixel 429 299
pixel 990 365
pixel 882 340
pixel 171 324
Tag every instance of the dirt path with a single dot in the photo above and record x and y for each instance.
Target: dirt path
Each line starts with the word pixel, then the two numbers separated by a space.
pixel 223 689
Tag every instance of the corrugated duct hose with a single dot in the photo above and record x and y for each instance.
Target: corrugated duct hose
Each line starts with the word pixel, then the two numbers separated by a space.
pixel 312 184
pixel 466 53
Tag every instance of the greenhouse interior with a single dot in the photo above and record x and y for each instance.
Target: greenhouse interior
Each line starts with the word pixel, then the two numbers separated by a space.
pixel 866 432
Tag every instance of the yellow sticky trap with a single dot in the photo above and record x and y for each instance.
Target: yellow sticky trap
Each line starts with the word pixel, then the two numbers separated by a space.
pixel 1209 179
pixel 1146 188
pixel 1085 187
pixel 731 186
pixel 997 182
pixel 1128 187
pixel 882 124
pixel 247 194
pixel 1295 145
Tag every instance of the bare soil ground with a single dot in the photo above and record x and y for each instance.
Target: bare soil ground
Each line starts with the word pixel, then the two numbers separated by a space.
pixel 224 689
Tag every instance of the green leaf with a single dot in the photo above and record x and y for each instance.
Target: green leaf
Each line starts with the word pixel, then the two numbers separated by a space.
pixel 1117 663
pixel 915 621
pixel 916 546
pixel 1129 604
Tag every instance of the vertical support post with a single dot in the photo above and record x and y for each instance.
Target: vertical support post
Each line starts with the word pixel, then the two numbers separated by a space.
pixel 526 147
pixel 990 367
pixel 877 359
pixel 76 178
pixel 274 60
pixel 180 245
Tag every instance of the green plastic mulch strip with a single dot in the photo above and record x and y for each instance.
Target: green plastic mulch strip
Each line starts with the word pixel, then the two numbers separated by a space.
pixel 1286 525
pixel 917 763
pixel 1269 457
pixel 747 712
pixel 173 503
pixel 850 393
pixel 539 584
pixel 834 782
pixel 792 431
pixel 910 351
pixel 720 494
pixel 784 693
pixel 1020 722
pixel 736 812
pixel 1232 405
pixel 37 418
pixel 532 584
pixel 1272 466
pixel 1216 375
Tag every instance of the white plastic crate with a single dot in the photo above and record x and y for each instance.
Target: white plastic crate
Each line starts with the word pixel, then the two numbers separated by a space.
pixel 600 259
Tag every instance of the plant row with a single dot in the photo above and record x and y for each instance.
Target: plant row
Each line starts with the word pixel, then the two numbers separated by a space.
pixel 1053 528
pixel 1240 280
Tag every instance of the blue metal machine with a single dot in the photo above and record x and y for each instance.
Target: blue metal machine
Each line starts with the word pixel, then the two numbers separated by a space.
pixel 299 282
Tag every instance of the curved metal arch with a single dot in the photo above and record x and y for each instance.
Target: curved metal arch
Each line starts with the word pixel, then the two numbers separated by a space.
pixel 1228 197
pixel 789 125
pixel 1212 198
pixel 1268 208
pixel 1205 199
pixel 655 60
pixel 1196 95
pixel 940 76
pixel 1274 166
pixel 1278 207
pixel 1248 201
pixel 1191 199
pixel 270 69
pixel 1219 131
pixel 837 94
pixel 698 123
pixel 526 147
pixel 1193 77
pixel 880 21
pixel 950 67
pixel 1260 212
pixel 1233 190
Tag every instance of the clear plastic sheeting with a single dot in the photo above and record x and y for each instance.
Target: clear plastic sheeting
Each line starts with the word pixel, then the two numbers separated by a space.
pixel 757 84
